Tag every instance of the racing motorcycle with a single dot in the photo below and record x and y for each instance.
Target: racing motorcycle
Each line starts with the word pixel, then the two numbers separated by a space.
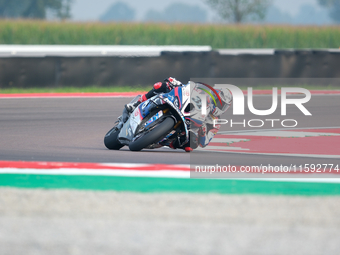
pixel 160 120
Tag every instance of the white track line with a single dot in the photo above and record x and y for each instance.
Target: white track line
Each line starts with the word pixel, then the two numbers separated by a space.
pixel 278 154
pixel 155 174
pixel 275 129
pixel 72 171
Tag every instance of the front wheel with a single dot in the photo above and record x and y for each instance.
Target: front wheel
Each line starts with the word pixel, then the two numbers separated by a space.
pixel 111 140
pixel 153 136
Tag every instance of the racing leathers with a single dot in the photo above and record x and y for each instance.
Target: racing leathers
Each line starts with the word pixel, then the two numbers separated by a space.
pixel 205 133
pixel 209 129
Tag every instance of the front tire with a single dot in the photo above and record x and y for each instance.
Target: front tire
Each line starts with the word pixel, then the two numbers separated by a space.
pixel 155 135
pixel 111 140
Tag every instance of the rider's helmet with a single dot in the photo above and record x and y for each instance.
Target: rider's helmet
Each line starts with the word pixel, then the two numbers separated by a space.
pixel 226 99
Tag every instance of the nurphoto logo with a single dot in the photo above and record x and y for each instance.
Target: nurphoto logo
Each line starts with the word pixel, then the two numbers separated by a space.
pixel 238 103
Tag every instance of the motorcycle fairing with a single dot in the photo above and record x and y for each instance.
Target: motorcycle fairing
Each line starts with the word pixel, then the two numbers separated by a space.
pixel 126 134
pixel 178 99
pixel 129 128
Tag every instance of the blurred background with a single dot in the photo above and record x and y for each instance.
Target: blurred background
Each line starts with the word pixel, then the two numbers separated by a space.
pixel 299 12
pixel 301 38
pixel 295 12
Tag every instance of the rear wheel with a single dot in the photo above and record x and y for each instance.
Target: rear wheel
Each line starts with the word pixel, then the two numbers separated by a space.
pixel 153 136
pixel 111 140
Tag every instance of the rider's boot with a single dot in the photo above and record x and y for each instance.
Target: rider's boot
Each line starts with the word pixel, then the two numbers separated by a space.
pixel 172 145
pixel 175 145
pixel 188 149
pixel 192 144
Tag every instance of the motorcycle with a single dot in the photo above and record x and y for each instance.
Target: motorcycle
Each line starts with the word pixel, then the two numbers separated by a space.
pixel 160 120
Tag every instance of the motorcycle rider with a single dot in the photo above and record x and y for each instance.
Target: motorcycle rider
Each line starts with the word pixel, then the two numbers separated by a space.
pixel 205 133
pixel 160 87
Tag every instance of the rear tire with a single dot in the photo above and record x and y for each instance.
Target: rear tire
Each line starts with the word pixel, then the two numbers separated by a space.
pixel 111 140
pixel 155 135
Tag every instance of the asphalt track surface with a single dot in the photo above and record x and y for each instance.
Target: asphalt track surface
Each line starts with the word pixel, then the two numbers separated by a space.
pixel 72 130
pixel 42 221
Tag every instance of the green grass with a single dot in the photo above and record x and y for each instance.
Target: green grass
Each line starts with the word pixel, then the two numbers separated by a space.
pixel 217 36
pixel 145 184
